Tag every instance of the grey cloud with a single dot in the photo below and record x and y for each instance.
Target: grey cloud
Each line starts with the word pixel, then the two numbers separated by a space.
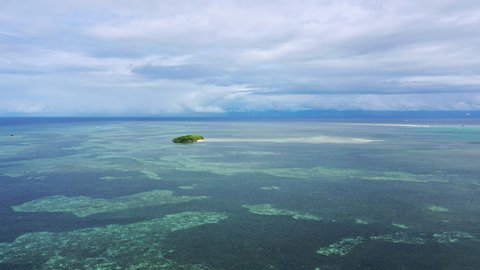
pixel 240 55
pixel 184 72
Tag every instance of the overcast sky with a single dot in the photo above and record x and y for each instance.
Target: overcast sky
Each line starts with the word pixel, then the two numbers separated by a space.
pixel 160 57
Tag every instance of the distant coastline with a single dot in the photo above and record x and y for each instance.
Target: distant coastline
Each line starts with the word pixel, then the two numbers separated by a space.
pixel 400 118
pixel 270 114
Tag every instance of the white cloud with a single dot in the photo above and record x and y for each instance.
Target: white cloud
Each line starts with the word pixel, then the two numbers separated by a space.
pixel 214 56
pixel 441 80
pixel 22 107
pixel 94 93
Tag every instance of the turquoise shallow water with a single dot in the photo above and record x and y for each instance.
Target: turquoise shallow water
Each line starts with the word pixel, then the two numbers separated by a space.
pixel 277 194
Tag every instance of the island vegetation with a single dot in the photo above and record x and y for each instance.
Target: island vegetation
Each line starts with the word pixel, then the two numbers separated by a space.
pixel 191 138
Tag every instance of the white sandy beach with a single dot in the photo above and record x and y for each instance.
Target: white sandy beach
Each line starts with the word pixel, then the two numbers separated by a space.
pixel 314 139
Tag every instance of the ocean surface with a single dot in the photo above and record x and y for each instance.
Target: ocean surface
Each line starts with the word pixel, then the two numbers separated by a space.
pixel 266 194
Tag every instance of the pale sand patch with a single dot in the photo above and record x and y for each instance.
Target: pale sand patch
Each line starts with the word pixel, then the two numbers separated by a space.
pixel 269 210
pixel 133 246
pixel 362 221
pixel 82 206
pixel 393 125
pixel 399 225
pixel 270 188
pixel 342 247
pixel 452 237
pixel 436 208
pixel 187 187
pixel 314 139
pixel 401 238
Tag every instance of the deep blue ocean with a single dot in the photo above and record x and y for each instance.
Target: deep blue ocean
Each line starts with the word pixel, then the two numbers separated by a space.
pixel 116 193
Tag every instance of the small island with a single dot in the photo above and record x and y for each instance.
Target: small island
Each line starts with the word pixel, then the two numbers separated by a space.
pixel 188 138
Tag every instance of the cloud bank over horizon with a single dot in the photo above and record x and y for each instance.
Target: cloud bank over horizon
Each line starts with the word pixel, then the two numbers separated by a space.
pixel 172 57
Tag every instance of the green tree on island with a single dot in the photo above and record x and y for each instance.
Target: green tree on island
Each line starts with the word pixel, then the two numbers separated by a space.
pixel 191 138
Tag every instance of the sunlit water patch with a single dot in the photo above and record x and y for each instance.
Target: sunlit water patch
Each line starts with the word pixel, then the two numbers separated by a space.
pixel 84 206
pixel 117 194
pixel 134 246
